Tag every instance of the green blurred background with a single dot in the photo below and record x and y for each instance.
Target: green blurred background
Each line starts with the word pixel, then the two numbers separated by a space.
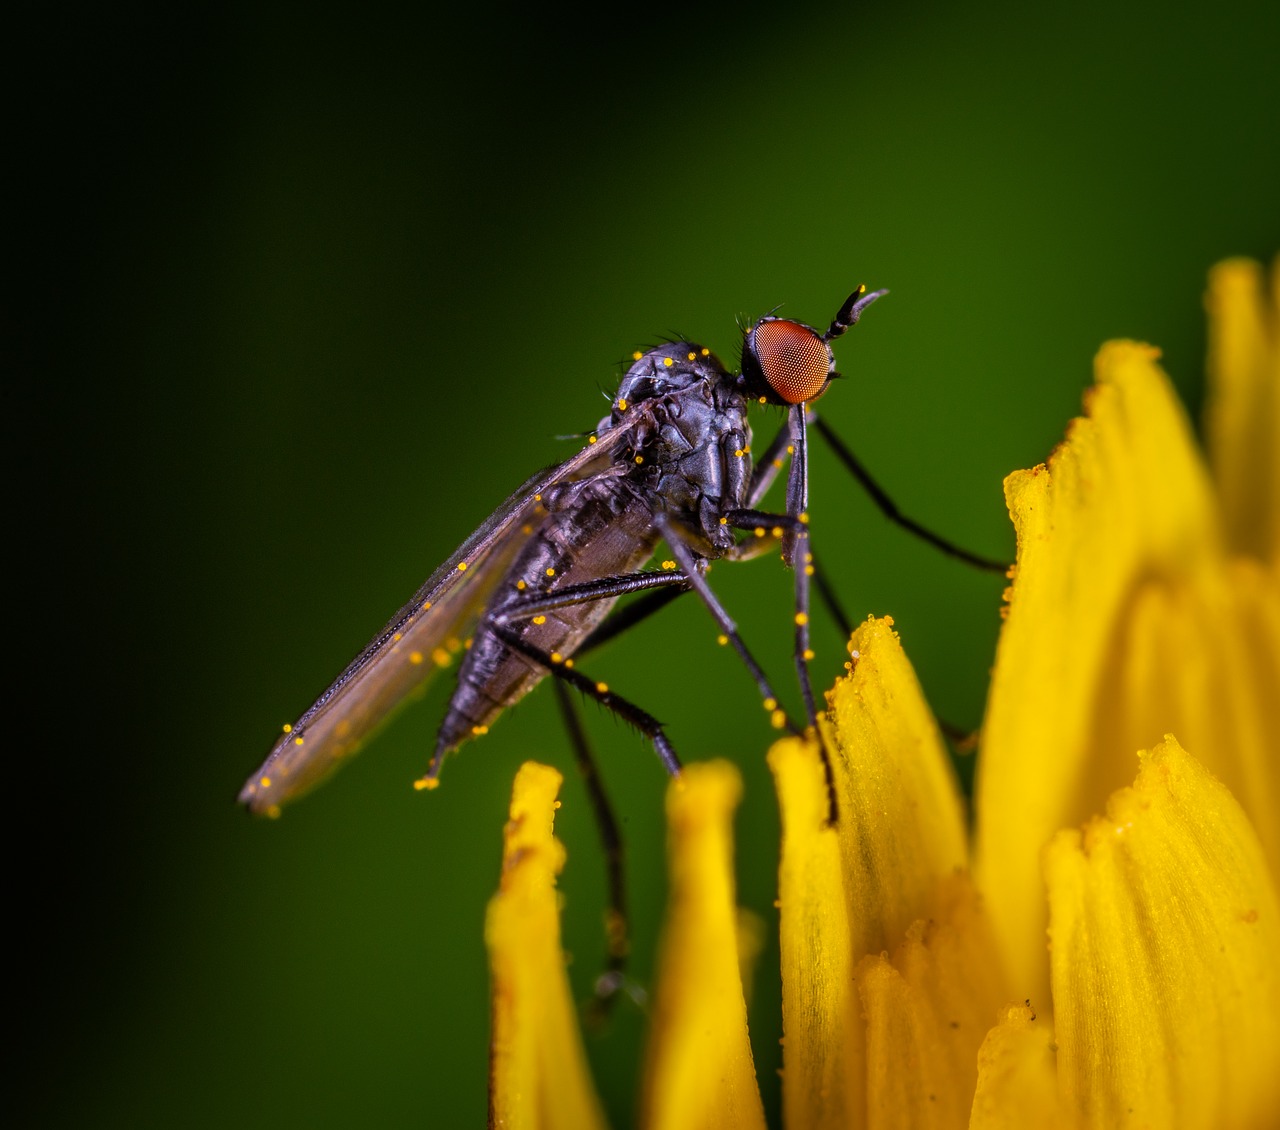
pixel 297 297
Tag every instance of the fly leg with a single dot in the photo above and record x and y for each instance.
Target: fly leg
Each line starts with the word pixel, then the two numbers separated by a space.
pixel 889 508
pixel 793 530
pixel 500 622
pixel 616 929
pixel 689 567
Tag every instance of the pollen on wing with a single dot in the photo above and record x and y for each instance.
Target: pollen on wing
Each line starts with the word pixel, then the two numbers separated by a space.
pixel 462 566
pixel 479 730
pixel 556 657
pixel 539 619
pixel 425 605
pixel 426 783
pixel 297 740
pixel 622 404
pixel 415 657
pixel 693 356
pixel 668 565
pixel 602 688
pixel 288 728
pixel 801 619
pixel 668 362
pixel 771 704
pixel 265 782
pixel 639 460
pixel 521 585
pixel 551 572
pixel 636 355
pixel 777 719
pixel 706 352
pixel 722 639
pixel 440 657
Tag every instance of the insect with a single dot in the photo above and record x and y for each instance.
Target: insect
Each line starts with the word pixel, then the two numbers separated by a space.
pixel 533 589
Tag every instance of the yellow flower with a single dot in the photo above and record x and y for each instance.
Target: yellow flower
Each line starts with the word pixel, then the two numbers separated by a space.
pixel 1142 605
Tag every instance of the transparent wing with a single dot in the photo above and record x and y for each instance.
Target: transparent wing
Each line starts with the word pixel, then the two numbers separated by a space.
pixel 417 641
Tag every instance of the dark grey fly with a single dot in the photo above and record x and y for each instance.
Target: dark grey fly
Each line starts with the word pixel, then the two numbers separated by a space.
pixel 532 589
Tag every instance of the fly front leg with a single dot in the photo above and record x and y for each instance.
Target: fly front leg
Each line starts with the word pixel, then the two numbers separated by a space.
pixel 889 508
pixel 729 630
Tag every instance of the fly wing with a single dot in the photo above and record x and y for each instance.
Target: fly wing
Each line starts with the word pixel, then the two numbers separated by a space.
pixel 417 641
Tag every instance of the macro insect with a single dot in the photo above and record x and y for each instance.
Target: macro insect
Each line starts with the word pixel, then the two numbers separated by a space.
pixel 534 588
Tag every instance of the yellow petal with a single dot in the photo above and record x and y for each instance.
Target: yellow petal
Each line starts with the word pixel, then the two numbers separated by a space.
pixel 870 884
pixel 927 1010
pixel 1165 929
pixel 1018 1076
pixel 538 1070
pixel 901 818
pixel 1242 410
pixel 1202 659
pixel 1125 498
pixel 699 1073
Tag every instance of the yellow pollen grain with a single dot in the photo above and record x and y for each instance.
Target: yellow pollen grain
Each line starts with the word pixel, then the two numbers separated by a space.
pixel 693 356
pixel 790 449
pixel 551 572
pixel 453 643
pixel 777 531
pixel 808 570
pixel 462 566
pixel 415 657
pixel 808 654
pixel 738 453
pixel 622 404
pixel 265 782
pixel 478 730
pixel 724 521
pixel 763 400
pixel 759 532
pixel 556 657
pixel 591 439
pixel 706 353
pixel 521 585
pixel 777 719
pixel 440 657
pixel 668 564
pixel 804 519
pixel 668 361
pixel 425 605
pixel 602 688
pixel 771 704
pixel 288 728
pixel 639 460
pixel 568 663
pixel 526 528
pixel 636 355
pixel 273 812
pixel 467 643
pixel 722 640
pixel 801 619
pixel 539 619
pixel 427 783
pixel 396 637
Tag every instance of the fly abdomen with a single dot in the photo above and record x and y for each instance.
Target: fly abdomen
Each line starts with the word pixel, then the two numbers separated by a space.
pixel 600 527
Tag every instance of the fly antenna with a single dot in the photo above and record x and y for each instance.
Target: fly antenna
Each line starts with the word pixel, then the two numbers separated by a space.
pixel 851 311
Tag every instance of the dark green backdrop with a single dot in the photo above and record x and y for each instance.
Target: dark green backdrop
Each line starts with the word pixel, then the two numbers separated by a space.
pixel 299 297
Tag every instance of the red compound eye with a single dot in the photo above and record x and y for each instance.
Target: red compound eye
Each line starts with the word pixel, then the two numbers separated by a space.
pixel 795 360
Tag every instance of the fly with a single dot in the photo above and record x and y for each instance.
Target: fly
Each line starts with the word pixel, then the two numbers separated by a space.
pixel 534 587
